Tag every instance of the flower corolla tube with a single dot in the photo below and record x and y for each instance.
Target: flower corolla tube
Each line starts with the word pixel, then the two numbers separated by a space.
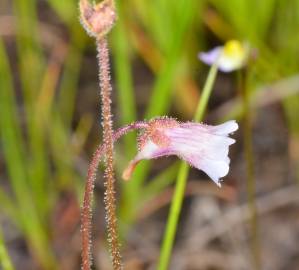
pixel 203 146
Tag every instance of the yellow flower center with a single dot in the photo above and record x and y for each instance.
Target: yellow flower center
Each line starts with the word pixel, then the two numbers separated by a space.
pixel 234 49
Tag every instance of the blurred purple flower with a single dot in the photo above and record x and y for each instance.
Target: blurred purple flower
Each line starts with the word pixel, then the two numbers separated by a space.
pixel 202 146
pixel 232 56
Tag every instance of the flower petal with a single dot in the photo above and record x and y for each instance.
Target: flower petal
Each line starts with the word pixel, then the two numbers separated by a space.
pixel 229 64
pixel 211 56
pixel 214 169
pixel 204 147
pixel 225 128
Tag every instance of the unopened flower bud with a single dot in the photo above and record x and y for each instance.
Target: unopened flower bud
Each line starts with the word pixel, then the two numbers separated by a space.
pixel 97 19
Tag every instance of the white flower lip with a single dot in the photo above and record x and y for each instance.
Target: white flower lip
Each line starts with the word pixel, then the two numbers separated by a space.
pixel 202 146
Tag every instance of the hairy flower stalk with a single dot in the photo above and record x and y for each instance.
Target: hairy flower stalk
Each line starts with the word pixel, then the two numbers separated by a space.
pixel 86 215
pixel 98 19
pixel 109 199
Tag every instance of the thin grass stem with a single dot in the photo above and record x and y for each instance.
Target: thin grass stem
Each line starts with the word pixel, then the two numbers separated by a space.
pixel 176 204
pixel 250 178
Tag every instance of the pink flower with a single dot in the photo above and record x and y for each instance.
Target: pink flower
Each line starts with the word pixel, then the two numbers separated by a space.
pixel 202 146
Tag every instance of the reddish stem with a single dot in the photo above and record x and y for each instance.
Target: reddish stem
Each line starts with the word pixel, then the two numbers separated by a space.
pixel 86 214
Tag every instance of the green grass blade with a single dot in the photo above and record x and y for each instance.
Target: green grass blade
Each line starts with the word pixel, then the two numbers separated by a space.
pixel 5 260
pixel 31 66
pixel 127 110
pixel 14 154
pixel 8 207
pixel 67 10
pixel 13 146
pixel 70 78
pixel 123 74
pixel 159 101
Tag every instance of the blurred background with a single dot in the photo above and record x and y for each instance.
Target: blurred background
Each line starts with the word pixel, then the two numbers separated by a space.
pixel 50 126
